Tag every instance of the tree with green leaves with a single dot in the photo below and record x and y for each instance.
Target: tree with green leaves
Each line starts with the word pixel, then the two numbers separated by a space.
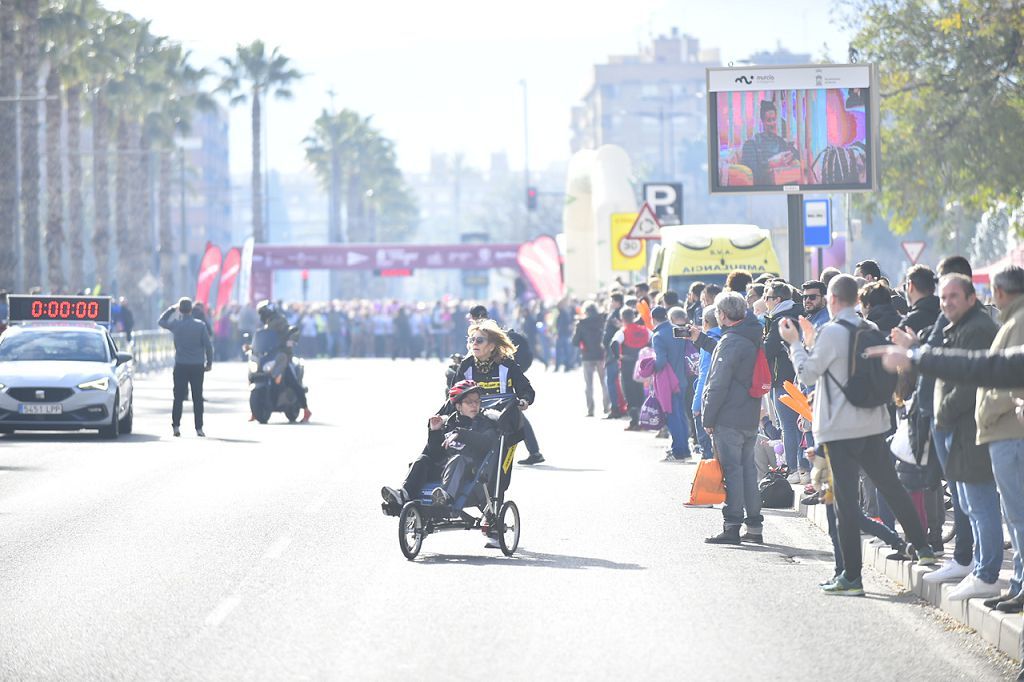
pixel 252 74
pixel 952 99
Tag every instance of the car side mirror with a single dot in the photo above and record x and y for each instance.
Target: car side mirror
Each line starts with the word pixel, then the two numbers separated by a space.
pixel 124 357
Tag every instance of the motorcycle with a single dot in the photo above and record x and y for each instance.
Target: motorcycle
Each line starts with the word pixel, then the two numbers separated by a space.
pixel 267 364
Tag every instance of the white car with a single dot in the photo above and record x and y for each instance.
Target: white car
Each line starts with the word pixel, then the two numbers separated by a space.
pixel 64 378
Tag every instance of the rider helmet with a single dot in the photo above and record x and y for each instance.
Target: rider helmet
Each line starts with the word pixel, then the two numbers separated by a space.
pixel 265 310
pixel 463 388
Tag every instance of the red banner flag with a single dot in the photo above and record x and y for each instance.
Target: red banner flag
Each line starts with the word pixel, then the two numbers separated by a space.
pixel 229 270
pixel 541 263
pixel 209 267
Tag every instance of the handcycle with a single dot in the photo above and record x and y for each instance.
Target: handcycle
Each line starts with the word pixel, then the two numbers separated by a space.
pixel 499 517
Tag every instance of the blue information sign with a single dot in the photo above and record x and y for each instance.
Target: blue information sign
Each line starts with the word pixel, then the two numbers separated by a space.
pixel 818 222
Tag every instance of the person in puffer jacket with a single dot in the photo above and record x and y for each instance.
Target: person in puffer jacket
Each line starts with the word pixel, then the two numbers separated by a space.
pixel 630 339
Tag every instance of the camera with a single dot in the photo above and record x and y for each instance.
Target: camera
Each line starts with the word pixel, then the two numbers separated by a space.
pixel 681 332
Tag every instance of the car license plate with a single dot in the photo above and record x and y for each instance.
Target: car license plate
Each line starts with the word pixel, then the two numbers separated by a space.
pixel 30 408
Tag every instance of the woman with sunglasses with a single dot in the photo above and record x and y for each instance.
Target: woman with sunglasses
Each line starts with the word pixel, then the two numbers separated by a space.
pixel 491 364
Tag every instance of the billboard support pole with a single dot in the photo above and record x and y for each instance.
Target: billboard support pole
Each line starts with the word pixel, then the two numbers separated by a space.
pixel 795 204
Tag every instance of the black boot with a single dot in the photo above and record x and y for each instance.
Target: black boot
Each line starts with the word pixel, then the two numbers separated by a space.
pixel 729 536
pixel 756 538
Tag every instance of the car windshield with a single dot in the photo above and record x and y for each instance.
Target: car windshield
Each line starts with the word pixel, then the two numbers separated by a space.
pixel 75 346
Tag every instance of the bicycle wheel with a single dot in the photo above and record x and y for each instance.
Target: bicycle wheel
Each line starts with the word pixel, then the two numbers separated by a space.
pixel 410 530
pixel 508 528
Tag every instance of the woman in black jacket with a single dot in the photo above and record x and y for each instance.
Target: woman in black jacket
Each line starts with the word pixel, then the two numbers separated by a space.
pixel 491 364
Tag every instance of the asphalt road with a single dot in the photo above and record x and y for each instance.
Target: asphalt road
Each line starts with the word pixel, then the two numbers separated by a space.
pixel 260 552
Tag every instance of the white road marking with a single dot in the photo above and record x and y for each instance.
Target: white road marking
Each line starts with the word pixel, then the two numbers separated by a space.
pixel 222 611
pixel 277 549
pixel 315 506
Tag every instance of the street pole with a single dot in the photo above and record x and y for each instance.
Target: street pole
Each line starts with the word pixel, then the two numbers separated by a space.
pixel 526 156
pixel 795 205
pixel 183 262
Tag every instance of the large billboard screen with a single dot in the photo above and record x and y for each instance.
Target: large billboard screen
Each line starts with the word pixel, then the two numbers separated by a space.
pixel 792 129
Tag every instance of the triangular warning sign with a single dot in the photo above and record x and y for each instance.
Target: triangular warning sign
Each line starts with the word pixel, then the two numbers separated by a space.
pixel 646 225
pixel 913 251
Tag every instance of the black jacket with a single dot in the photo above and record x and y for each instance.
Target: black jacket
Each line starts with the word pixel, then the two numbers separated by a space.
pixel 922 315
pixel 777 350
pixel 726 400
pixel 515 381
pixel 884 316
pixel 989 369
pixel 611 325
pixel 475 436
pixel 954 410
pixel 588 336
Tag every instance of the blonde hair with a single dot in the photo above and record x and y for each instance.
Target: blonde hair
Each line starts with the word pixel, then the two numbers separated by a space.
pixel 504 349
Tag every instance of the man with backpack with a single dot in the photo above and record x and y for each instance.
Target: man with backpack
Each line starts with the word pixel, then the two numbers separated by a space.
pixel 730 414
pixel 850 421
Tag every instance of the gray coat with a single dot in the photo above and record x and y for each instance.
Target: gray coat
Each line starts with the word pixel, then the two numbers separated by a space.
pixel 727 401
pixel 192 345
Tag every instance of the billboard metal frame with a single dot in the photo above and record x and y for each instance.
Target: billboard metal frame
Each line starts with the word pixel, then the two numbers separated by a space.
pixel 872 125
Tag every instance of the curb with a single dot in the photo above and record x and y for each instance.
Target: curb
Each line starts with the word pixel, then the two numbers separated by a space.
pixel 1002 630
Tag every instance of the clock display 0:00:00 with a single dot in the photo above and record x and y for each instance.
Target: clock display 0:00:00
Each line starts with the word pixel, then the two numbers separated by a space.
pixel 65 310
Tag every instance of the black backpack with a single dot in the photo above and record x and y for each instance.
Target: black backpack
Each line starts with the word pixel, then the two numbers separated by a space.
pixel 524 354
pixel 776 491
pixel 869 384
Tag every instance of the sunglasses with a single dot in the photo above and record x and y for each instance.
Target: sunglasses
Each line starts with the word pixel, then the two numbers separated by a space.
pixel 476 339
pixel 811 297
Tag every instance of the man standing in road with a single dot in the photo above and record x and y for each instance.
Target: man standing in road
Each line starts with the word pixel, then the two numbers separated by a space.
pixel 730 415
pixel 193 355
pixel 851 437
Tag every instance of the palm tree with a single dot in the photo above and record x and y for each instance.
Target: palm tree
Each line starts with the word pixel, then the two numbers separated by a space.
pixel 253 74
pixel 135 92
pixel 332 149
pixel 28 28
pixel 8 150
pixel 67 29
pixel 174 117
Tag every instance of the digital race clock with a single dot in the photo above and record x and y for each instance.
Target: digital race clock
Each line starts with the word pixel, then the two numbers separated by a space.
pixel 59 309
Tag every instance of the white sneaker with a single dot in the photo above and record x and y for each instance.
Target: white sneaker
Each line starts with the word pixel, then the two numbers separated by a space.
pixel 805 478
pixel 794 477
pixel 949 572
pixel 972 586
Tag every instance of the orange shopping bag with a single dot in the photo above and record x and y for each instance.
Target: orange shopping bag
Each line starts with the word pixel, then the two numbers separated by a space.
pixel 708 484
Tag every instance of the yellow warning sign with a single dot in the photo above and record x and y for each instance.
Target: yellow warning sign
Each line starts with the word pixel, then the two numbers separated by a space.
pixel 627 254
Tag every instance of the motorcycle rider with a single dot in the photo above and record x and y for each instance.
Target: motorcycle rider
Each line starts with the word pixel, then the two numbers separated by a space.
pixel 275 321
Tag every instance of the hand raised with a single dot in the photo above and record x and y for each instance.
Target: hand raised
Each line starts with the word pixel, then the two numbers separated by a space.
pixel 436 423
pixel 904 338
pixel 810 333
pixel 788 331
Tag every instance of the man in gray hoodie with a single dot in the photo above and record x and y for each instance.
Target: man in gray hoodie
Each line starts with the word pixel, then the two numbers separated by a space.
pixel 730 415
pixel 193 355
pixel 851 437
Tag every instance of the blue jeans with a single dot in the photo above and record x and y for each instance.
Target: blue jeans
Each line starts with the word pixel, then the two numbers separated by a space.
pixel 611 380
pixel 790 434
pixel 981 502
pixel 1008 467
pixel 963 549
pixel 742 498
pixel 707 452
pixel 677 428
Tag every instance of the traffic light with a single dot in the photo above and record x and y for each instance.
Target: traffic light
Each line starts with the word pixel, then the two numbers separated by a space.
pixel 531 198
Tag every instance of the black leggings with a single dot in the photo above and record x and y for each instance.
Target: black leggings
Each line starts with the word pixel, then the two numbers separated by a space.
pixel 871 453
pixel 633 390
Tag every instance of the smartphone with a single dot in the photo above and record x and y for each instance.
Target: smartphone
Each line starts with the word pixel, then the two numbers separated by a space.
pixel 681 332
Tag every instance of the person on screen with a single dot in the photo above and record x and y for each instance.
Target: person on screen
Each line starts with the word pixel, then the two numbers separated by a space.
pixel 767 149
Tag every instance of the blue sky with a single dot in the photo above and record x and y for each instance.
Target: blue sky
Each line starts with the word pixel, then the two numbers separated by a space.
pixel 444 76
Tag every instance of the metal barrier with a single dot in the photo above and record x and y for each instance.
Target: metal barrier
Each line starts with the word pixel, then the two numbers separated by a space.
pixel 153 349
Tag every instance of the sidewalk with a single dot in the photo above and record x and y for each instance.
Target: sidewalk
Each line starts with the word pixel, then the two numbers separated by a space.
pixel 1001 630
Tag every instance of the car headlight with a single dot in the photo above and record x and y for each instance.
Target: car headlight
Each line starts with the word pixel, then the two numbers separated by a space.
pixel 268 366
pixel 100 384
pixel 254 366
